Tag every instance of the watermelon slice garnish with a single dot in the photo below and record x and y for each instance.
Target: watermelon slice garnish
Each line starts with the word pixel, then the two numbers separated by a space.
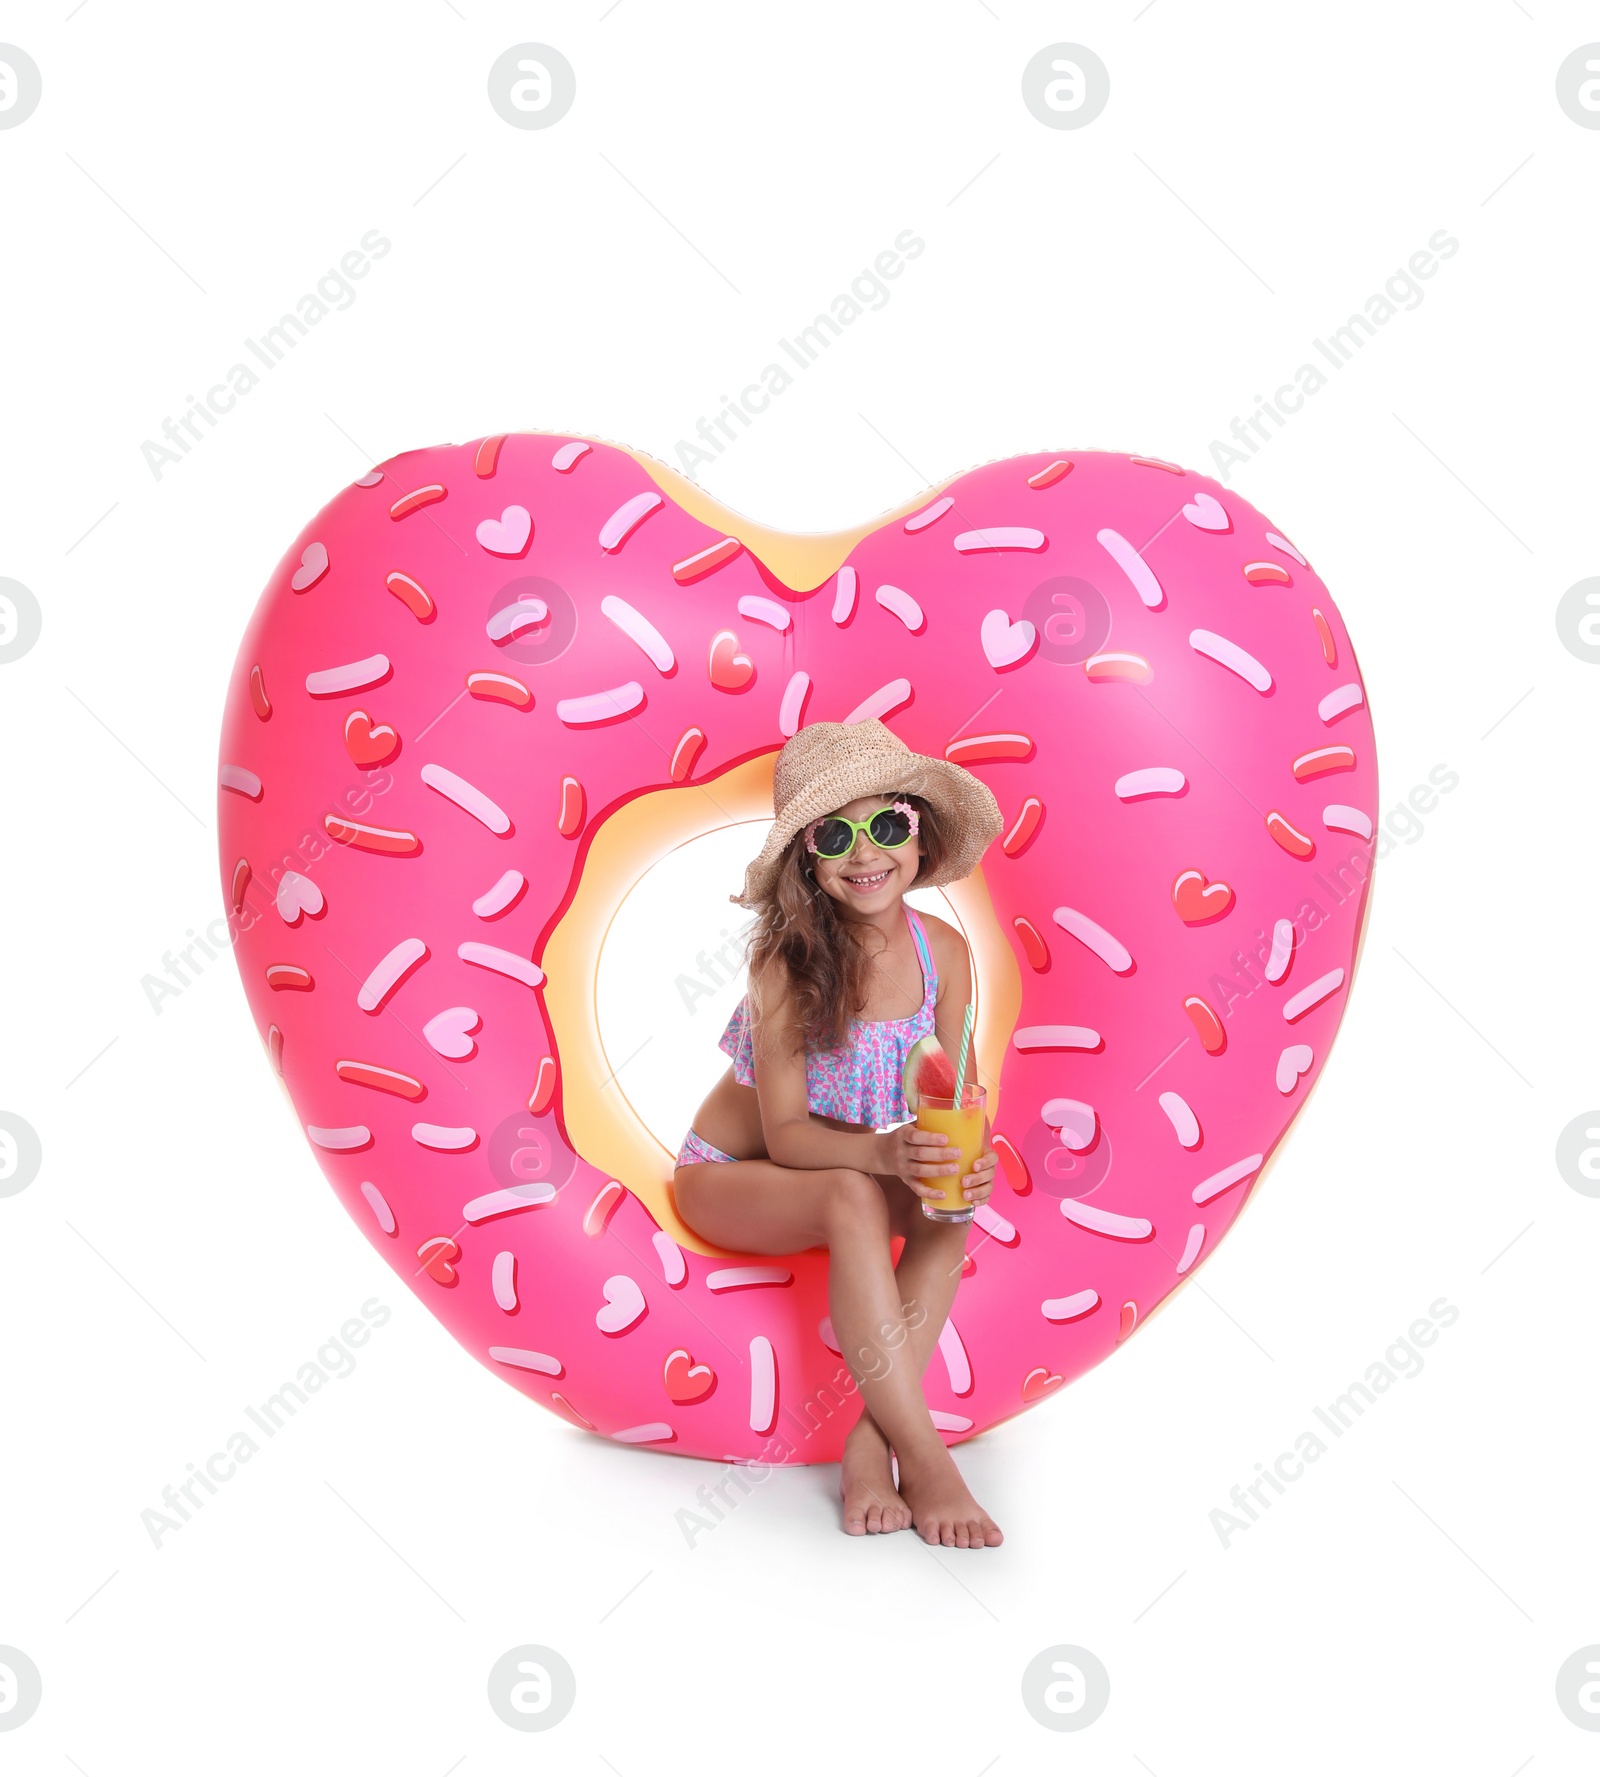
pixel 928 1069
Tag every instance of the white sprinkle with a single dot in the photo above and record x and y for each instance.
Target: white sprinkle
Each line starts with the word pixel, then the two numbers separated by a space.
pixel 793 706
pixel 919 521
pixel 638 628
pixel 956 1364
pixel 627 518
pixel 525 1360
pixel 600 706
pixel 1336 703
pixel 1185 1124
pixel 763 1384
pixel 569 454
pixel 1073 1119
pixel 236 777
pixel 389 973
pixel 512 619
pixel 844 595
pixel 1000 537
pixel 1110 950
pixel 1102 1221
pixel 1232 656
pixel 503 962
pixel 1344 819
pixel 503 1281
pixel 943 1421
pixel 1133 564
pixel 1192 1246
pixel 1287 547
pixel 744 1277
pixel 1056 1036
pixel 467 796
pixel 673 1267
pixel 994 1225
pixel 1282 949
pixel 1151 780
pixel 357 1135
pixel 884 701
pixel 379 1203
pixel 902 604
pixel 1313 995
pixel 1070 1307
pixel 1226 1179
pixel 508 1201
pixel 497 899
pixel 352 677
pixel 446 1138
pixel 762 610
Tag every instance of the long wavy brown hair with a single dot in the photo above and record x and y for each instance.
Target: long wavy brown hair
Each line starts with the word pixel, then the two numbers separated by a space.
pixel 801 927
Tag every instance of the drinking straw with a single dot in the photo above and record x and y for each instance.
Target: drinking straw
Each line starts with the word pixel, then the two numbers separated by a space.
pixel 961 1064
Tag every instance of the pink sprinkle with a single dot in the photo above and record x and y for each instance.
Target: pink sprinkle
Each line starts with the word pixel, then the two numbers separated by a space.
pixel 236 777
pixel 390 973
pixel 568 455
pixel 793 706
pixel 638 628
pixel 352 677
pixel 919 521
pixel 882 702
pixel 745 1277
pixel 502 962
pixel 1000 537
pixel 1103 1221
pixel 1192 1246
pixel 903 605
pixel 379 1204
pixel 600 706
pixel 844 596
pixel 466 796
pixel 763 1384
pixel 627 518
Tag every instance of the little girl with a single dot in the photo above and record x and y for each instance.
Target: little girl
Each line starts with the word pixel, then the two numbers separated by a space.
pixel 805 1141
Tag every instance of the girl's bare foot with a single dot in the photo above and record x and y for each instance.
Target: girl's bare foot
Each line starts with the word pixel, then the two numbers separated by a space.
pixel 866 1482
pixel 942 1509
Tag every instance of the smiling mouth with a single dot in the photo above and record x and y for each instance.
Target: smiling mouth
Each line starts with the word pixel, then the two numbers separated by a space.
pixel 864 885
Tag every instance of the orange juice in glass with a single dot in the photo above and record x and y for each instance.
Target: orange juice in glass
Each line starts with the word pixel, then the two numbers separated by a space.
pixel 962 1127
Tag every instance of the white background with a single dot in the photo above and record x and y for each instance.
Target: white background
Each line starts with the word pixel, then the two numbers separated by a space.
pixel 1259 171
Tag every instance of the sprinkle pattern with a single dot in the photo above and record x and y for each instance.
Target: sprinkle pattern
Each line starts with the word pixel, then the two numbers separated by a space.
pixel 1188 800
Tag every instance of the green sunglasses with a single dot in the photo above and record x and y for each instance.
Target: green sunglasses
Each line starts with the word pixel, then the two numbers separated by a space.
pixel 887 828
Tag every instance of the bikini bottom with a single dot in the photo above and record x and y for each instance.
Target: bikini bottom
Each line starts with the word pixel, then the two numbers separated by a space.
pixel 694 1151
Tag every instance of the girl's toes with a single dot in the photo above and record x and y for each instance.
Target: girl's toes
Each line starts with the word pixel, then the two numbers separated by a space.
pixel 874 1518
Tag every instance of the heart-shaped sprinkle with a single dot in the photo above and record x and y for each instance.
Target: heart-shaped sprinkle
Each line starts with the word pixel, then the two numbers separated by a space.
pixel 624 1305
pixel 1038 1383
pixel 730 670
pixel 367 742
pixel 509 533
pixel 437 1257
pixel 1199 901
pixel 298 894
pixel 1292 1063
pixel 1005 642
pixel 685 1380
pixel 313 565
pixel 447 1032
pixel 1206 513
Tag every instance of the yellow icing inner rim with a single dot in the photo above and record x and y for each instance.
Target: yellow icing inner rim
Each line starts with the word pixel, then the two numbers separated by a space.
pixel 601 1124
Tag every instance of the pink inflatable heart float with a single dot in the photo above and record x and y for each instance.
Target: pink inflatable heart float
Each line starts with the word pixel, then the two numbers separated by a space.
pixel 489 686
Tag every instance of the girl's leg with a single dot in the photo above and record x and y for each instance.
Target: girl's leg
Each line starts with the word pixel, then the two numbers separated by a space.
pixel 927 1278
pixel 757 1206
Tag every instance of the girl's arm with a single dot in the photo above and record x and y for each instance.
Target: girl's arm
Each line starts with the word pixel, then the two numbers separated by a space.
pixel 793 1136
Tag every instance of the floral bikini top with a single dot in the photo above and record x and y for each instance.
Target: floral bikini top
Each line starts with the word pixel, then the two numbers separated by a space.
pixel 863 1083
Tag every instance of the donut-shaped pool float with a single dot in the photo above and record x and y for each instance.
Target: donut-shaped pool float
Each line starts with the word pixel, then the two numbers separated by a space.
pixel 490 685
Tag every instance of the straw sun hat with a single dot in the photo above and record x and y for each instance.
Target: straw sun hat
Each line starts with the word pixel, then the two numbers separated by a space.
pixel 828 764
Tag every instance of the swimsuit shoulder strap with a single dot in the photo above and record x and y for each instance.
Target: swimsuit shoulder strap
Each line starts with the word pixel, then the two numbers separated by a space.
pixel 930 975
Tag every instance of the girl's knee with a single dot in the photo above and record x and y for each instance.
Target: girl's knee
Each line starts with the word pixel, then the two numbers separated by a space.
pixel 854 1202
